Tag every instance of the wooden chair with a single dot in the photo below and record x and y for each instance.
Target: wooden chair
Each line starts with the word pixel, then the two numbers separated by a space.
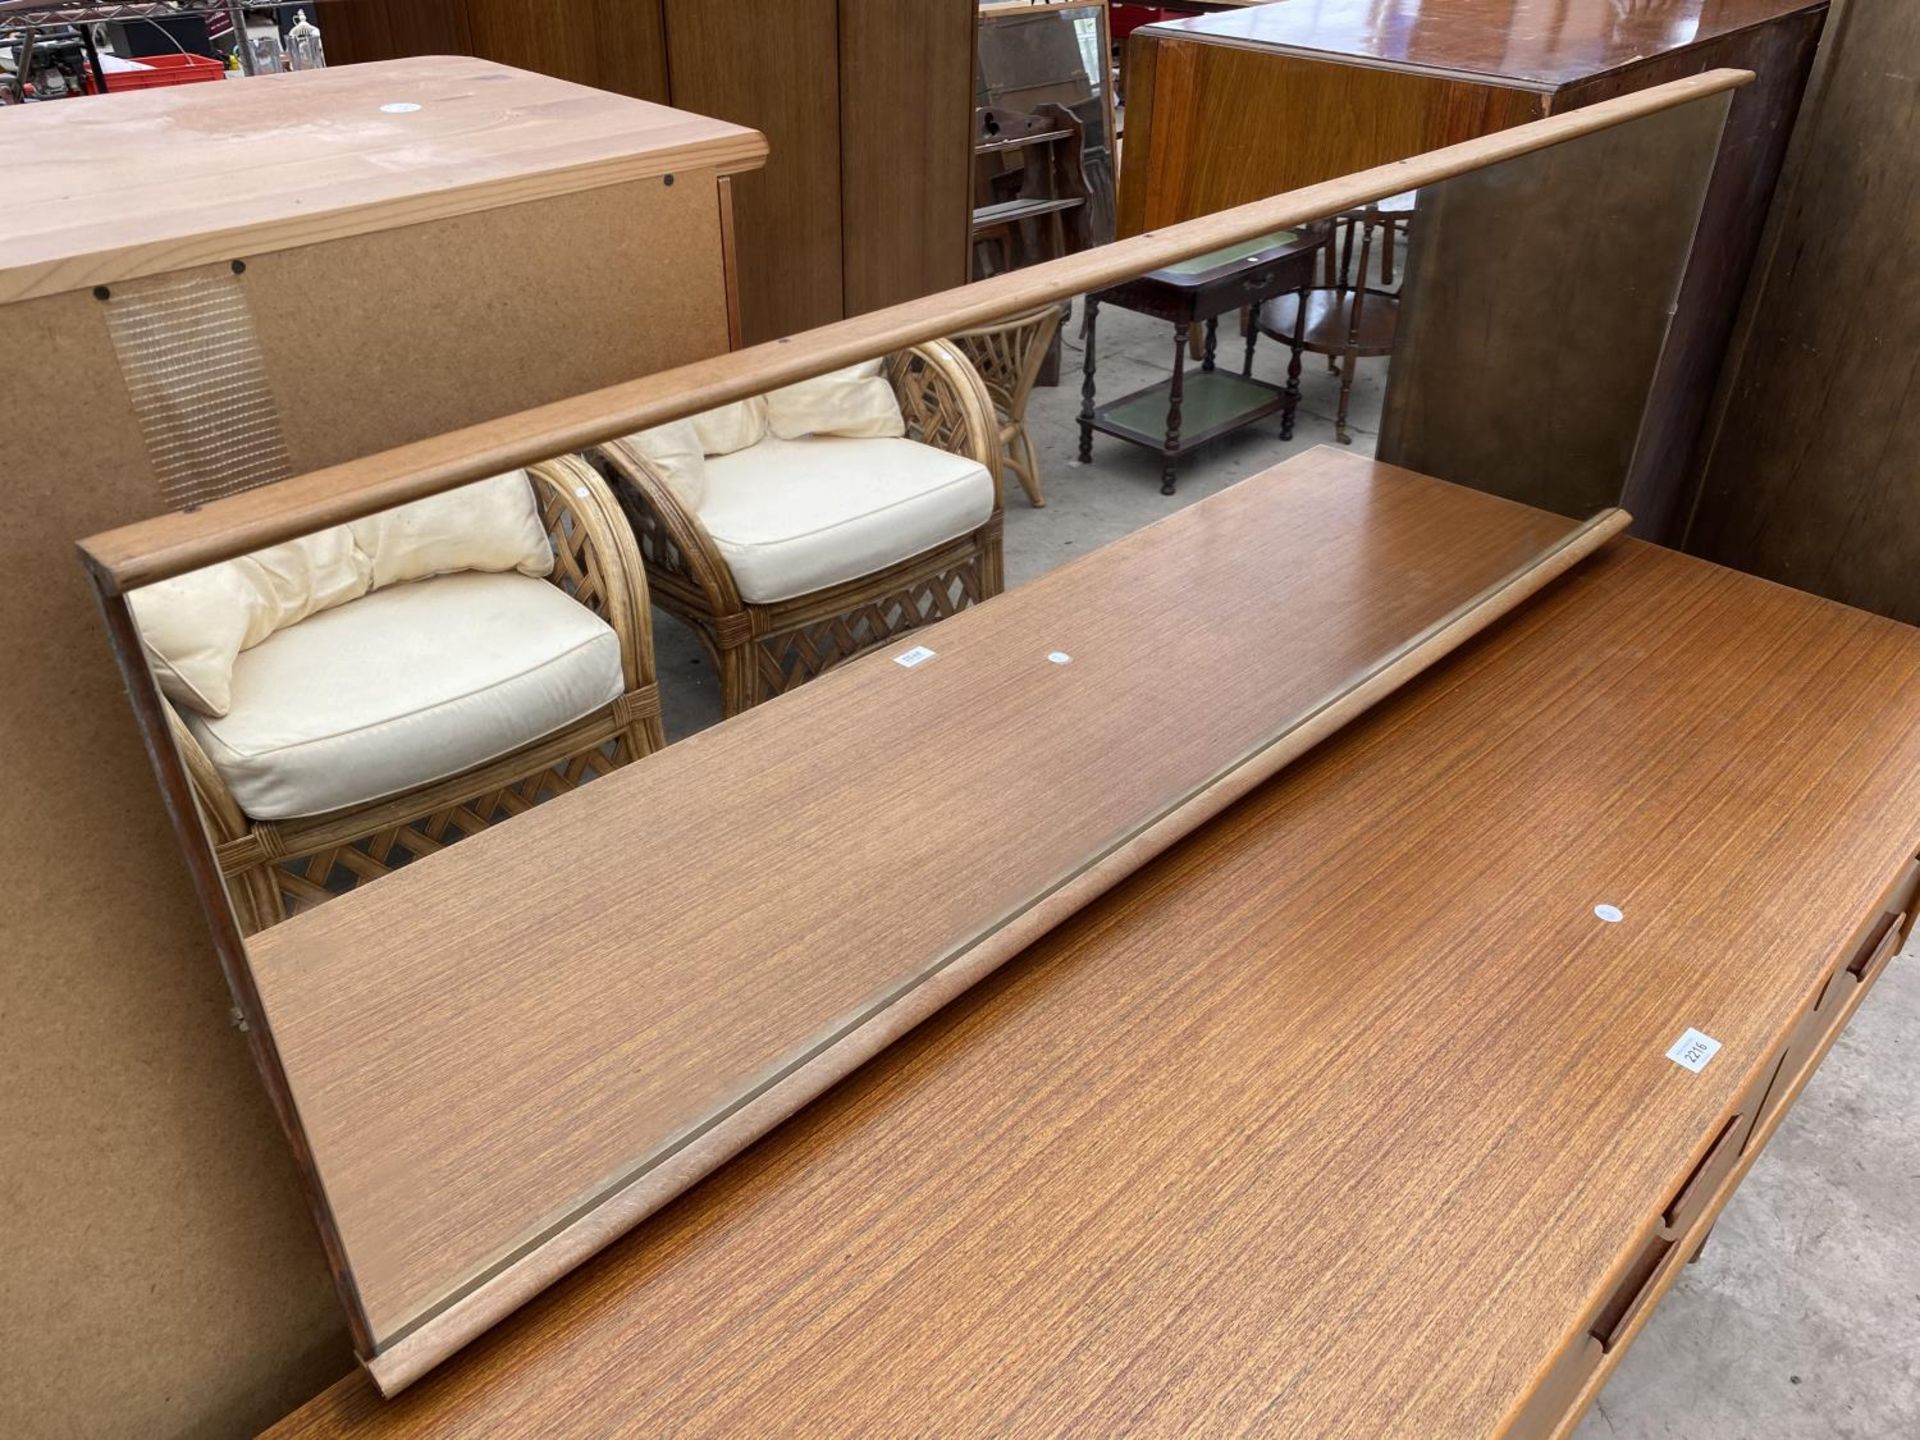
pixel 1008 356
pixel 763 648
pixel 276 867
pixel 1347 320
pixel 1392 217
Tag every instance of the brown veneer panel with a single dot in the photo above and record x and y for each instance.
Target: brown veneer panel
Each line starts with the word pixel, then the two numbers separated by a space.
pixel 1812 476
pixel 789 211
pixel 1344 1117
pixel 1505 42
pixel 1230 125
pixel 906 148
pixel 617 45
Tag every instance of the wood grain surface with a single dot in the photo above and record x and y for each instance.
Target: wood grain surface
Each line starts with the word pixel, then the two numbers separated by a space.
pixel 1191 155
pixel 906 148
pixel 100 192
pixel 1541 46
pixel 1340 1119
pixel 617 45
pixel 173 544
pixel 719 57
pixel 557 1047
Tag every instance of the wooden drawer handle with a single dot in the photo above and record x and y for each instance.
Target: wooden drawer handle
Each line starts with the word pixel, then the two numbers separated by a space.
pixel 1880 944
pixel 1680 1209
pixel 1625 1301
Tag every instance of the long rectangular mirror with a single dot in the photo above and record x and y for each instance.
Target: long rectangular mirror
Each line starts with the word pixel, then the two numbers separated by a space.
pixel 517 971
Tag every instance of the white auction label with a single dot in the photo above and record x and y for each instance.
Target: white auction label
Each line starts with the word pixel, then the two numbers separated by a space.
pixel 919 655
pixel 1059 657
pixel 399 107
pixel 1693 1050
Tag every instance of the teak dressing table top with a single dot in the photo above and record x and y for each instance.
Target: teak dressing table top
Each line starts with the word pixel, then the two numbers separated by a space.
pixel 102 188
pixel 1534 44
pixel 1332 1120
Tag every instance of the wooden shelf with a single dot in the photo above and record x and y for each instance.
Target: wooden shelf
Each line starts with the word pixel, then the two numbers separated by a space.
pixel 687 935
pixel 1212 403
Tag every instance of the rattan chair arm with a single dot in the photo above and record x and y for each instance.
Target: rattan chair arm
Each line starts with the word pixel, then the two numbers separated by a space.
pixel 700 557
pixel 946 404
pixel 224 819
pixel 595 558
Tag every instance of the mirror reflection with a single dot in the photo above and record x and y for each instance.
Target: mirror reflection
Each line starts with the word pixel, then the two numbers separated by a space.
pixel 351 702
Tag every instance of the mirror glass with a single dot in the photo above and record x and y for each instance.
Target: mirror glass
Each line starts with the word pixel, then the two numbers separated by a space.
pixel 1044 132
pixel 522 964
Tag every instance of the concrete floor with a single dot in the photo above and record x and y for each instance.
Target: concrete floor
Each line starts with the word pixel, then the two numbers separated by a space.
pixel 1802 1319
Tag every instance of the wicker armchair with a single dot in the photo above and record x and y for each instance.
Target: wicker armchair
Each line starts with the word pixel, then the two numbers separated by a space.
pixel 1009 355
pixel 764 649
pixel 274 868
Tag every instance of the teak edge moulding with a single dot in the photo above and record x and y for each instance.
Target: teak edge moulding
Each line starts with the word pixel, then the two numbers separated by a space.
pixel 172 544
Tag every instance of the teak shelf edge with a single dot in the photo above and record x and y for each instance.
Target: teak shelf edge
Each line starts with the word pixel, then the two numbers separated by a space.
pixel 175 543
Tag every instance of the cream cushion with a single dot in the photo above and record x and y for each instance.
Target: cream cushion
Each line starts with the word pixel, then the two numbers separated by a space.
pixel 853 402
pixel 196 624
pixel 489 525
pixel 727 428
pixel 795 516
pixel 407 685
pixel 675 452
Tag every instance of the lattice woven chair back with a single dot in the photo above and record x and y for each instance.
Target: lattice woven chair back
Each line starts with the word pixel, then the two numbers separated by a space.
pixel 277 868
pixel 1009 355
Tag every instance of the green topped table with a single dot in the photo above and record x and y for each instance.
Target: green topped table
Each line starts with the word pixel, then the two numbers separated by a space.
pixel 1212 402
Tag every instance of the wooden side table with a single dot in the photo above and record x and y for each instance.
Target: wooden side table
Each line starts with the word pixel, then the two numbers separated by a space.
pixel 1213 401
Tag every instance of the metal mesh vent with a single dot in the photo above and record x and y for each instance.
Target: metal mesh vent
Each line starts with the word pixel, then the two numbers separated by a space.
pixel 193 366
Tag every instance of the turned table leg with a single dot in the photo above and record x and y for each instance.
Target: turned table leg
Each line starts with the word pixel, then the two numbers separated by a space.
pixel 1213 339
pixel 1298 342
pixel 1086 385
pixel 1172 461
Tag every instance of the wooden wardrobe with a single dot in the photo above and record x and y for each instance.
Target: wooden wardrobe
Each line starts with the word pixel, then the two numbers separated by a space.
pixel 867 104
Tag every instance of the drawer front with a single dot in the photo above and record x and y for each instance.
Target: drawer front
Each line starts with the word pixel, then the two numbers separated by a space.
pixel 1547 1412
pixel 1861 965
pixel 1882 941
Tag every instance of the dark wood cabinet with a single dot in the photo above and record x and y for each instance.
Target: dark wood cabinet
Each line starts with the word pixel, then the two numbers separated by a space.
pixel 1230 107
